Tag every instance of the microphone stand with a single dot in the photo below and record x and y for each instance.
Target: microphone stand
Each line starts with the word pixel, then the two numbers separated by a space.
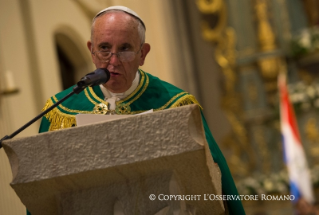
pixel 99 76
pixel 77 89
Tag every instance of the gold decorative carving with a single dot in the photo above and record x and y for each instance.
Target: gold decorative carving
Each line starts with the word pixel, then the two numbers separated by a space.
pixel 252 91
pixel 210 34
pixel 223 37
pixel 270 65
pixel 214 34
pixel 263 150
pixel 100 109
pixel 211 6
pixel 245 52
pixel 311 131
pixel 265 34
pixel 225 53
pixel 312 11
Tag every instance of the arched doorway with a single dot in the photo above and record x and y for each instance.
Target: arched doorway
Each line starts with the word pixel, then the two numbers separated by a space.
pixel 73 57
pixel 67 69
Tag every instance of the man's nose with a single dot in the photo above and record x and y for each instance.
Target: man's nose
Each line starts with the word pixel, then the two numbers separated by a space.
pixel 114 60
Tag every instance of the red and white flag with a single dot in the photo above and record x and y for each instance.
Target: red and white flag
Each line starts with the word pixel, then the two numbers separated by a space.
pixel 294 155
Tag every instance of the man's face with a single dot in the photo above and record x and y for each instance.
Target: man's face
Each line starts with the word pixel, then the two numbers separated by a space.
pixel 117 32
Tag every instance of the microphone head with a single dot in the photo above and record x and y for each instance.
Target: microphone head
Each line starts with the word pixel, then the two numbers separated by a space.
pixel 99 76
pixel 103 74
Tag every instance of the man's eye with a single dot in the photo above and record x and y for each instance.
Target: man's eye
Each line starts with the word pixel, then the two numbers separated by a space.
pixel 125 47
pixel 104 48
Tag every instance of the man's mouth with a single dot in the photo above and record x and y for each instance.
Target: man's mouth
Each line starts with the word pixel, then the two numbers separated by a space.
pixel 114 74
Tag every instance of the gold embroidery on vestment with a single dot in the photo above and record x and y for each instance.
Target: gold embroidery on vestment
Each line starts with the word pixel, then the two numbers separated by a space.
pixel 125 108
pixel 69 110
pixel 57 119
pixel 89 97
pixel 137 89
pixel 96 97
pixel 122 108
pixel 186 100
pixel 100 109
pixel 170 101
pixel 183 100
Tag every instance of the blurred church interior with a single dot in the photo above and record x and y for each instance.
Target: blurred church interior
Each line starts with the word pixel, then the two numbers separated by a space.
pixel 228 53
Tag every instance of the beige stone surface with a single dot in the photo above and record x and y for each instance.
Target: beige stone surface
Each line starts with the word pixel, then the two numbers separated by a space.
pixel 113 167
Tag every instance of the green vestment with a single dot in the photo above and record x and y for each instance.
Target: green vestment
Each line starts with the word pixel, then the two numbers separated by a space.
pixel 151 93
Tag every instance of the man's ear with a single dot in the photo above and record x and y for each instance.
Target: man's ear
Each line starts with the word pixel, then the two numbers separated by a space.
pixel 144 51
pixel 89 45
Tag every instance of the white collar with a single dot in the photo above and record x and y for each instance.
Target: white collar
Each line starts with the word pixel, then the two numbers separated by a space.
pixel 108 94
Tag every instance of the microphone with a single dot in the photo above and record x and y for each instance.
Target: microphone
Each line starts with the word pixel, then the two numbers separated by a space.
pixel 99 76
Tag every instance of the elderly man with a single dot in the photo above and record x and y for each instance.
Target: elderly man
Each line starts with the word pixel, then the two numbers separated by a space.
pixel 118 44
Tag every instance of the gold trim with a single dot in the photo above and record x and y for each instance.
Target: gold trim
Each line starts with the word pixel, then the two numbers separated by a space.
pixel 170 101
pixel 89 97
pixel 95 96
pixel 123 109
pixel 57 119
pixel 143 75
pixel 101 109
pixel 215 34
pixel 142 91
pixel 265 33
pixel 129 96
pixel 137 89
pixel 207 7
pixel 69 110
pixel 126 106
pixel 186 100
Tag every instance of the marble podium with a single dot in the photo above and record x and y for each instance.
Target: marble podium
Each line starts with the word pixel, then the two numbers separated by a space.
pixel 157 163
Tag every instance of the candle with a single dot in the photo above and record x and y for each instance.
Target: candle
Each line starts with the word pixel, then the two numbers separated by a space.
pixel 10 85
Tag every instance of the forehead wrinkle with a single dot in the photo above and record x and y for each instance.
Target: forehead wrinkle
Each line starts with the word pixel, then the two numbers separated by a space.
pixel 116 20
pixel 121 24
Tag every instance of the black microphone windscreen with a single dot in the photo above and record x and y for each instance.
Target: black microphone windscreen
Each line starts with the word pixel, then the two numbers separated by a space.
pixel 99 76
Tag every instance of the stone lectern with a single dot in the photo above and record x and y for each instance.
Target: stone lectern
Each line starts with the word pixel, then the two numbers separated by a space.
pixel 157 163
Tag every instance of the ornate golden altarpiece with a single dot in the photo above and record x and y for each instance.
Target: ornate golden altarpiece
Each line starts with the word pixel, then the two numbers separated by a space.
pixel 252 42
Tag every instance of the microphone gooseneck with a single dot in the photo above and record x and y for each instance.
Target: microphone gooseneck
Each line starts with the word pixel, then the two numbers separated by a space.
pixel 99 76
